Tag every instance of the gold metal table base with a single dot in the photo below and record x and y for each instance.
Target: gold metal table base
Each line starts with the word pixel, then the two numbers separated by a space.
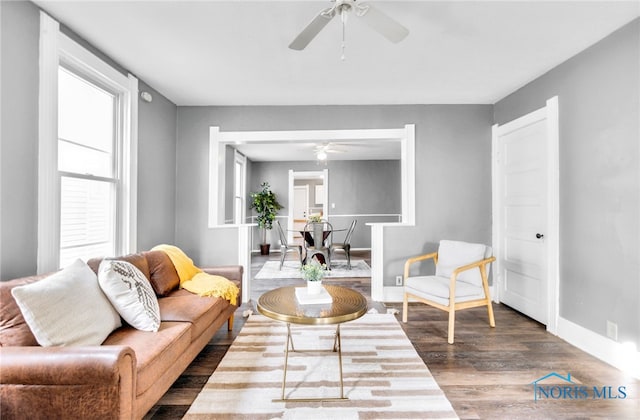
pixel 282 304
pixel 337 347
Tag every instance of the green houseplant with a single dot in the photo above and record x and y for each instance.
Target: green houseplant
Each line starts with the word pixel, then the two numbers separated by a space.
pixel 266 205
pixel 313 272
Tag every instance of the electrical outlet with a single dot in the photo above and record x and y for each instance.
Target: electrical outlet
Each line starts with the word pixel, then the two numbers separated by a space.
pixel 612 330
pixel 398 280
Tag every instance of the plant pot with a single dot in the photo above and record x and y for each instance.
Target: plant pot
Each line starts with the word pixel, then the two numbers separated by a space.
pixel 264 249
pixel 314 287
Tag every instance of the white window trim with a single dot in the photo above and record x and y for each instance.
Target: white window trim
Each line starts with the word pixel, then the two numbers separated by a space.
pixel 56 47
pixel 240 159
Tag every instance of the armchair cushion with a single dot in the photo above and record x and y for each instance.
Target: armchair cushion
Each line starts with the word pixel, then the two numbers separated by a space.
pixel 454 254
pixel 436 289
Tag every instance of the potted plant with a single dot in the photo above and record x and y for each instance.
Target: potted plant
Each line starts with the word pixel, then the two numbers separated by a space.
pixel 264 202
pixel 313 273
pixel 315 218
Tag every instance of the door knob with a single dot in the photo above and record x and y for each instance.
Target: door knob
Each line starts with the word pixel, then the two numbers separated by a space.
pixel 539 235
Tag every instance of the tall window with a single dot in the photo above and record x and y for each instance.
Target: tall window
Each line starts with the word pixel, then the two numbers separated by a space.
pixel 87 154
pixel 239 188
pixel 87 168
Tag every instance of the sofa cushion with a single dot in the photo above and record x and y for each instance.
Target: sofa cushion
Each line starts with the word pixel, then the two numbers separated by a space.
pixel 67 308
pixel 162 274
pixel 14 330
pixel 130 292
pixel 138 260
pixel 155 351
pixel 199 311
pixel 231 272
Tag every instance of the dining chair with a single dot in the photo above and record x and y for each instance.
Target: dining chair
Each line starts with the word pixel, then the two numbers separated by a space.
pixel 346 245
pixel 460 280
pixel 285 247
pixel 322 233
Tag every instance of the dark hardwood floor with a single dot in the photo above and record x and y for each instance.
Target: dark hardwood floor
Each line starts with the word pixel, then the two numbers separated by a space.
pixel 487 374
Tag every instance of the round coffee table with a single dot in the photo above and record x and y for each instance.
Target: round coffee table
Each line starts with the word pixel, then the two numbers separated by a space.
pixel 282 305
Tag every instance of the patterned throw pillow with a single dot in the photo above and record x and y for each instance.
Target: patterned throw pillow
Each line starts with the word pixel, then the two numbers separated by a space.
pixel 130 293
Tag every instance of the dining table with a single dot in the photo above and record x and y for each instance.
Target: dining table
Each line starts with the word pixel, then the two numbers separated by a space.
pixel 309 240
pixel 308 236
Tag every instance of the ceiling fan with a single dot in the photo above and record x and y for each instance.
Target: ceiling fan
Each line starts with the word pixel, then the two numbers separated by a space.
pixel 377 20
pixel 322 151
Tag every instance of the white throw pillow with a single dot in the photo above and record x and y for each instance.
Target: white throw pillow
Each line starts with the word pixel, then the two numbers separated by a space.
pixel 454 254
pixel 67 308
pixel 130 293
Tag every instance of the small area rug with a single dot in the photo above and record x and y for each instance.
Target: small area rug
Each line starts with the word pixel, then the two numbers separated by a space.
pixel 383 375
pixel 291 270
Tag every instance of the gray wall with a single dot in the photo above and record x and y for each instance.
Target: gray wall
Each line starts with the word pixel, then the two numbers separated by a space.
pixel 453 184
pixel 453 167
pixel 19 153
pixel 156 170
pixel 598 93
pixel 19 177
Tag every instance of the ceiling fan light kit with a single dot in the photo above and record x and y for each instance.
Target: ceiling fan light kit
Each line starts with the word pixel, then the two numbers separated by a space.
pixel 374 18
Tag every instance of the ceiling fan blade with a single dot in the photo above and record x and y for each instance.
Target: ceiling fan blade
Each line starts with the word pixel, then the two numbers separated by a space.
pixel 381 22
pixel 312 29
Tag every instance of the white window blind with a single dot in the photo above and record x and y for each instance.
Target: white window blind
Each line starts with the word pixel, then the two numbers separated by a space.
pixel 87 168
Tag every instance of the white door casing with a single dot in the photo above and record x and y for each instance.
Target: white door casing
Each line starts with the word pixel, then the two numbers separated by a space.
pixel 525 215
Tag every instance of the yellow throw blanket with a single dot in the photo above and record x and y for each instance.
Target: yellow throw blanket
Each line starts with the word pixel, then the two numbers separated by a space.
pixel 195 280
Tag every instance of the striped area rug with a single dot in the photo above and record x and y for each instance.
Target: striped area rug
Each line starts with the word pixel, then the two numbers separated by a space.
pixel 384 378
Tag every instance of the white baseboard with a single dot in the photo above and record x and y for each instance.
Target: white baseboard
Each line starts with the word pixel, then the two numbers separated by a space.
pixel 393 294
pixel 622 356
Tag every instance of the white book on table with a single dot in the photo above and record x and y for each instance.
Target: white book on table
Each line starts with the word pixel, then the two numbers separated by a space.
pixel 306 299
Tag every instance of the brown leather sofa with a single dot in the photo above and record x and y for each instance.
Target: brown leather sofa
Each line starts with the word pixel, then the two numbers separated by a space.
pixel 125 376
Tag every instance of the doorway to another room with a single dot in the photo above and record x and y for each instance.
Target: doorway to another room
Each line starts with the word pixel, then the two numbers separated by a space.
pixel 368 141
pixel 308 191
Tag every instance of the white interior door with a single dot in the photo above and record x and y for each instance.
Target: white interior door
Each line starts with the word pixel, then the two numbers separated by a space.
pixel 300 207
pixel 523 201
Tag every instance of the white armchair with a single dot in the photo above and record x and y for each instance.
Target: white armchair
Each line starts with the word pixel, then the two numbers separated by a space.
pixel 462 270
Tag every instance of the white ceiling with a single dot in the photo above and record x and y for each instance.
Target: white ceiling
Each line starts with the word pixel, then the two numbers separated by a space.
pixel 342 150
pixel 235 52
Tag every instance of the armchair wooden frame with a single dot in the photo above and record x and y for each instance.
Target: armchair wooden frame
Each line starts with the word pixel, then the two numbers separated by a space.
pixel 453 306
